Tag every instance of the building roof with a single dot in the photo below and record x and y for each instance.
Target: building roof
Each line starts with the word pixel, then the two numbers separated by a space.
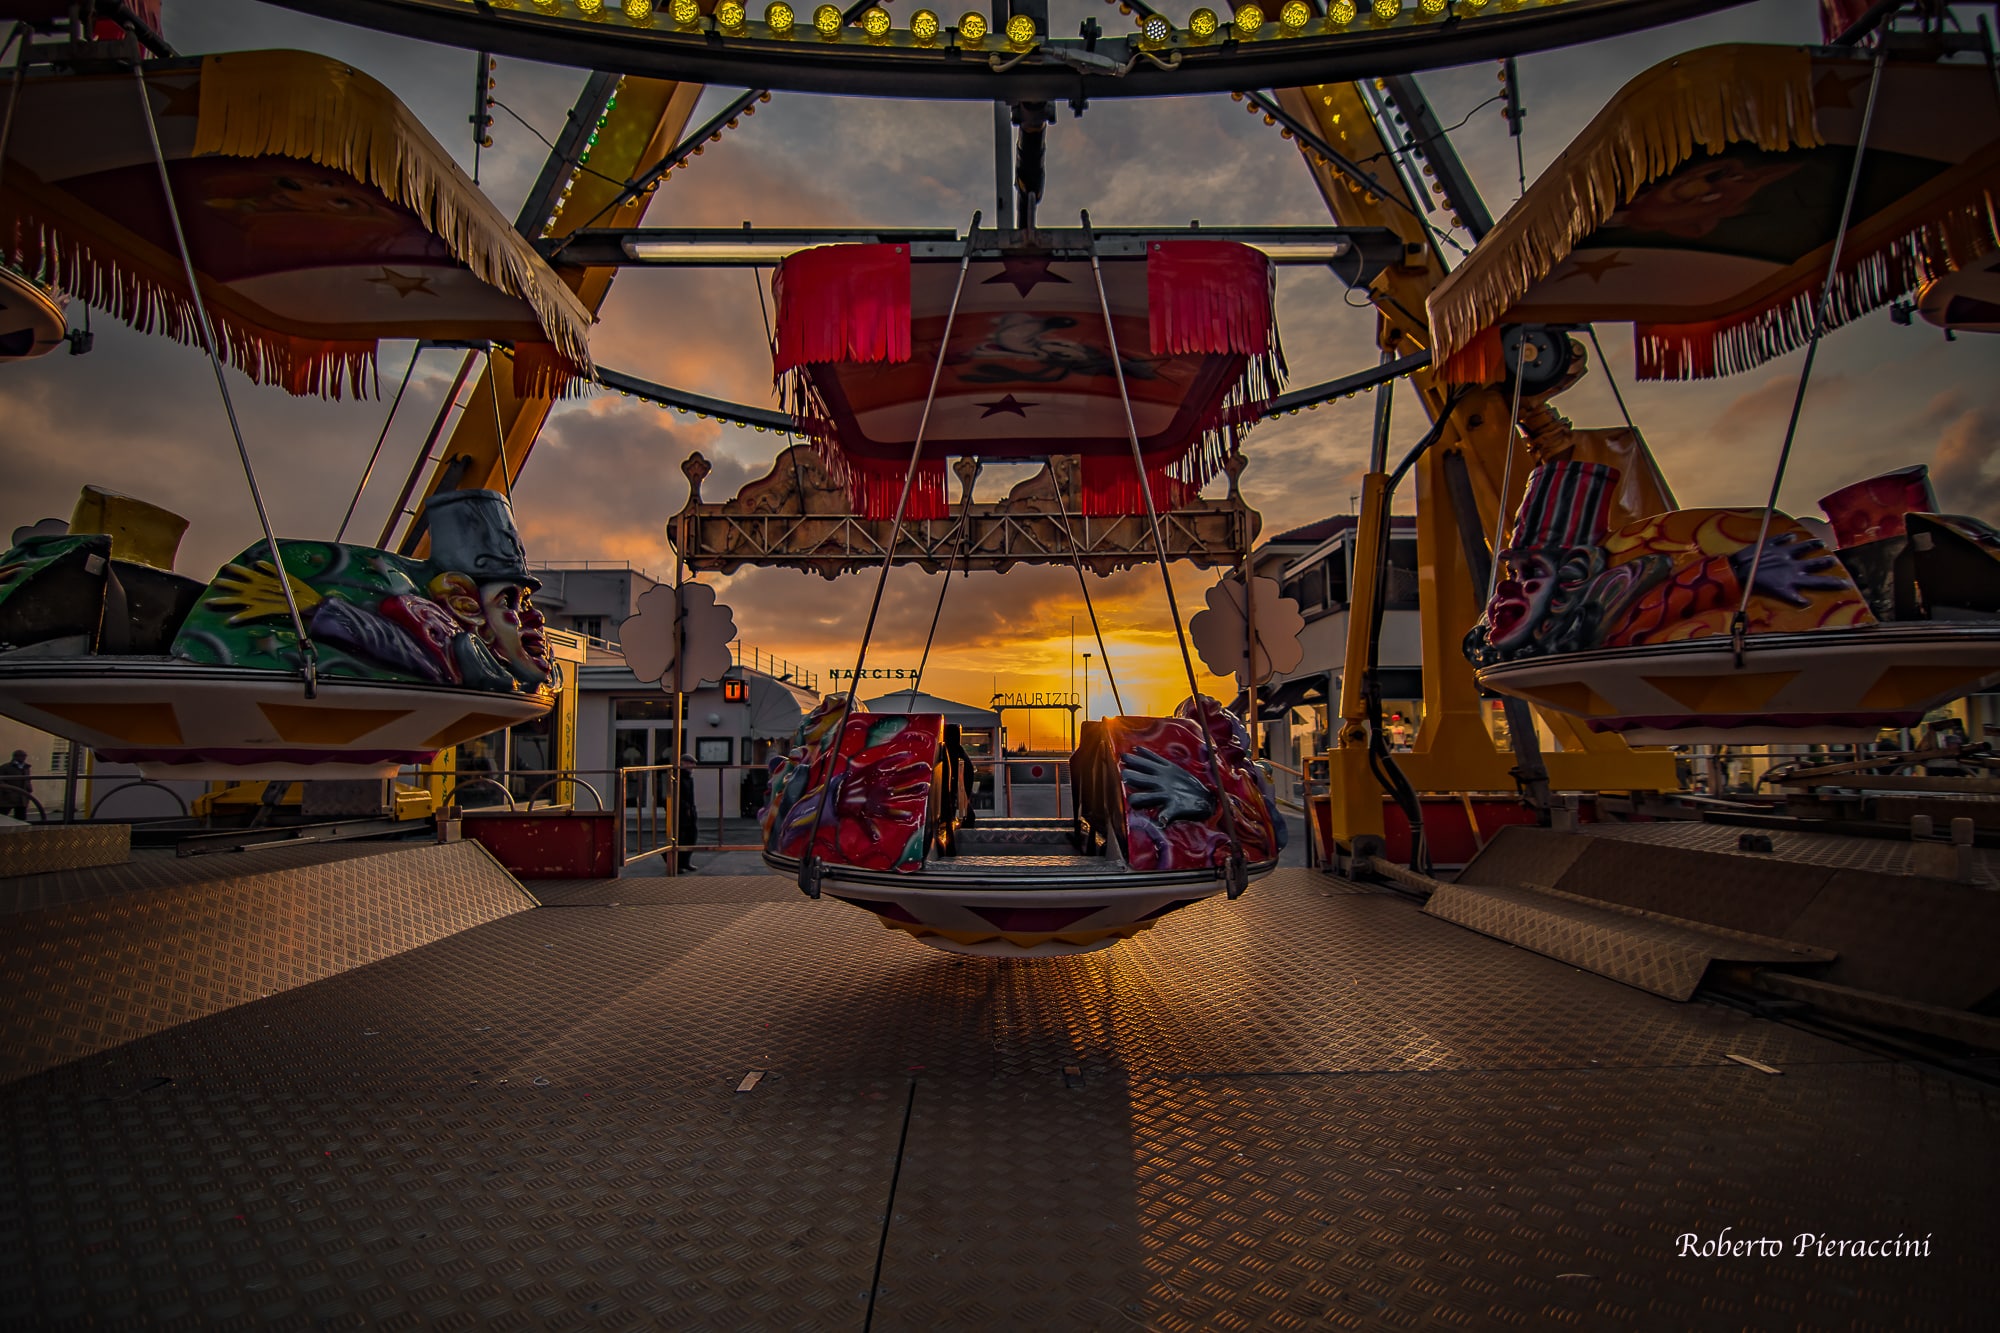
pixel 907 701
pixel 1312 534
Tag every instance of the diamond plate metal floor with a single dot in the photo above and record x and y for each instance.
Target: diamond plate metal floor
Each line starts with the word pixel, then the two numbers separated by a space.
pixel 1311 1108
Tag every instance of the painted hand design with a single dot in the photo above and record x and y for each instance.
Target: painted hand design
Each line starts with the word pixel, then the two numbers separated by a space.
pixel 1794 564
pixel 882 793
pixel 1162 785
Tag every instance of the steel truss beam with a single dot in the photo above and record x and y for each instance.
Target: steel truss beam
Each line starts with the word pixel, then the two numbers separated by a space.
pixel 990 537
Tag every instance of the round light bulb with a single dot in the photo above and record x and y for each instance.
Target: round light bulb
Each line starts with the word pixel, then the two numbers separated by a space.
pixel 1432 8
pixel 924 25
pixel 591 8
pixel 779 17
pixel 1020 30
pixel 826 20
pixel 730 16
pixel 1295 15
pixel 1340 13
pixel 686 13
pixel 971 27
pixel 1156 28
pixel 1249 21
pixel 1386 9
pixel 1203 23
pixel 875 21
pixel 638 11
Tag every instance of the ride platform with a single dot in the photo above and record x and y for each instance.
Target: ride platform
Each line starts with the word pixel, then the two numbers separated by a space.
pixel 707 1102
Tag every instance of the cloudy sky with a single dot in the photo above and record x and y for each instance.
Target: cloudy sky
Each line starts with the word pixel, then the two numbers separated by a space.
pixel 141 414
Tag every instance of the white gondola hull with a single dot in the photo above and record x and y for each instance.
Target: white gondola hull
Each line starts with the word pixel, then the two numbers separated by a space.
pixel 1826 686
pixel 177 719
pixel 977 909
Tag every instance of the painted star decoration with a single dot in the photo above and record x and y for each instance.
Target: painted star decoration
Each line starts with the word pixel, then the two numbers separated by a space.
pixel 1008 404
pixel 405 284
pixel 1025 272
pixel 1595 269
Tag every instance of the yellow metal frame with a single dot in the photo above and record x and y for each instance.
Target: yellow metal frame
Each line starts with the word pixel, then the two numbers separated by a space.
pixel 1454 749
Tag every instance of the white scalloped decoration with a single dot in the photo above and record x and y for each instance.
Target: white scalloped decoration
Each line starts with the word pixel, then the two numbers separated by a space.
pixel 1218 633
pixel 707 629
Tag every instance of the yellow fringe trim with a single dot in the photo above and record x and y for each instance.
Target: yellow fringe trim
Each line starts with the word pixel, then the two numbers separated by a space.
pixel 302 105
pixel 1702 101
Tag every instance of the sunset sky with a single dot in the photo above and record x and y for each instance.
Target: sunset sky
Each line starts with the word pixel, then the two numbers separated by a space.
pixel 141 415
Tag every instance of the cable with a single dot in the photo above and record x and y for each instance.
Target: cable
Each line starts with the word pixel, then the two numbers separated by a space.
pixel 808 880
pixel 1739 625
pixel 547 143
pixel 369 470
pixel 1235 875
pixel 499 427
pixel 1076 558
pixel 1416 145
pixel 308 655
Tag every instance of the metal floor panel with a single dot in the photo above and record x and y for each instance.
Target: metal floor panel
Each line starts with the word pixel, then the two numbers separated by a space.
pixel 1311 1108
pixel 1450 1200
pixel 156 868
pixel 89 976
pixel 489 1209
pixel 1887 856
pixel 1665 957
pixel 666 890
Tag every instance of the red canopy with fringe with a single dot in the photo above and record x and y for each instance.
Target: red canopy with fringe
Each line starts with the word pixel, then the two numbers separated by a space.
pixel 1702 204
pixel 320 214
pixel 1028 371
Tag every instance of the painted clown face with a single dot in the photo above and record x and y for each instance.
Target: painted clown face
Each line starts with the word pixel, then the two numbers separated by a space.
pixel 503 616
pixel 515 630
pixel 1521 598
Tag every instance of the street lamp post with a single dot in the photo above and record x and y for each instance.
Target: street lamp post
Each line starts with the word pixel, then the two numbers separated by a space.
pixel 1086 687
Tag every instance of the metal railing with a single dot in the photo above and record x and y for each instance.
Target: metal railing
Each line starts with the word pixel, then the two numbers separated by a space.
pixel 648 795
pixel 83 796
pixel 774 666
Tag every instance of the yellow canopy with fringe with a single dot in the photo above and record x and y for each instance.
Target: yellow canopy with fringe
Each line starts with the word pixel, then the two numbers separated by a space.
pixel 321 215
pixel 1702 202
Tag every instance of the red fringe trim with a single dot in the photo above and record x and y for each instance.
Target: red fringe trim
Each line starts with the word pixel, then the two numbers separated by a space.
pixel 1111 490
pixel 1478 362
pixel 1209 296
pixel 842 303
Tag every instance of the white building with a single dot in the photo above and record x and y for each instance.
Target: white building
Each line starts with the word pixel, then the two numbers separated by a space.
pixel 1315 566
pixel 732 724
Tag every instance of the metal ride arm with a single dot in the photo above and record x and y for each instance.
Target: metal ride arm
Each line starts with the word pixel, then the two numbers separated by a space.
pixel 636 123
pixel 1454 749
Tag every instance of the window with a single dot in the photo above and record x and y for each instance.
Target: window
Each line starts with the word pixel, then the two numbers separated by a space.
pixel 656 709
pixel 1336 579
pixel 589 626
pixel 1401 589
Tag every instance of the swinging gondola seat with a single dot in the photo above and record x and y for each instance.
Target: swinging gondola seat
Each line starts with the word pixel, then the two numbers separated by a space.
pixel 1168 846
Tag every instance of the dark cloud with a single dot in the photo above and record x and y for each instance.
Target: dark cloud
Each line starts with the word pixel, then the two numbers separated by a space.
pixel 141 414
pixel 1962 467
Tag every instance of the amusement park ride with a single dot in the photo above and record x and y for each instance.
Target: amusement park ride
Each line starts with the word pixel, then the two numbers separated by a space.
pixel 1732 203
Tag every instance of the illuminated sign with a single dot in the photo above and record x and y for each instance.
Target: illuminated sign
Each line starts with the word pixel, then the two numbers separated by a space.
pixel 874 673
pixel 735 691
pixel 1036 699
